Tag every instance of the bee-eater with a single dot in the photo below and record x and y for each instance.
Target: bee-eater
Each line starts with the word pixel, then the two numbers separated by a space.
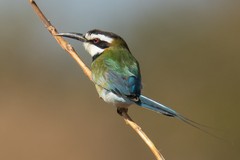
pixel 116 73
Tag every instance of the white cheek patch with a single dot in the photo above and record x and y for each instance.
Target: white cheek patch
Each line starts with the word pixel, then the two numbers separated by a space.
pixel 92 49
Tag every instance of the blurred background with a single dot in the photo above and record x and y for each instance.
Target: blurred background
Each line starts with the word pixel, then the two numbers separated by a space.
pixel 189 57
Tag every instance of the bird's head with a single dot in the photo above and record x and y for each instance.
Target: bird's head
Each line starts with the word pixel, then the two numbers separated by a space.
pixel 97 41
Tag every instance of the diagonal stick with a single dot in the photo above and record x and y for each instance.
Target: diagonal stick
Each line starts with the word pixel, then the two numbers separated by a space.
pixel 70 50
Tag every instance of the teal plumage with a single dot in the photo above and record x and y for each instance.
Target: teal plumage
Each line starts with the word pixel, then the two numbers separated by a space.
pixel 117 83
pixel 121 78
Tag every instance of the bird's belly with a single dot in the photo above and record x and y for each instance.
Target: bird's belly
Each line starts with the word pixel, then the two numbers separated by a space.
pixel 112 98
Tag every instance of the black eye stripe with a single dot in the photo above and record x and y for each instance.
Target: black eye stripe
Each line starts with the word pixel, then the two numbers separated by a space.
pixel 100 44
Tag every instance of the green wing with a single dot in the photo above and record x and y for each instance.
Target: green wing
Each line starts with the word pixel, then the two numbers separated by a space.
pixel 117 71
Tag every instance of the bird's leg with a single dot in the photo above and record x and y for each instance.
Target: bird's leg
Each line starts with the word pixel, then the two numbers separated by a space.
pixel 121 110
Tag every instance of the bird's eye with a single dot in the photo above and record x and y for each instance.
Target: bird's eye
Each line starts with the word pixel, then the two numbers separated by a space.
pixel 96 40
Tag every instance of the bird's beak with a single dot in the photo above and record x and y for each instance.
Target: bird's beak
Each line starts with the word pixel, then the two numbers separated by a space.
pixel 77 36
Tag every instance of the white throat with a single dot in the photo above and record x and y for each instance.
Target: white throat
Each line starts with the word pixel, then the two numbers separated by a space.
pixel 92 49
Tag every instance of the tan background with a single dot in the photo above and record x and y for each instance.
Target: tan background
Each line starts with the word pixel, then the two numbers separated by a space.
pixel 189 56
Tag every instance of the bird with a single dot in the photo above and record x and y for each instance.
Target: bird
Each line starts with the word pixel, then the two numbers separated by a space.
pixel 116 74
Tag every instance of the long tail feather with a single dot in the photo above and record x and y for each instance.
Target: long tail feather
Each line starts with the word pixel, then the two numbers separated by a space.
pixel 150 104
pixel 155 106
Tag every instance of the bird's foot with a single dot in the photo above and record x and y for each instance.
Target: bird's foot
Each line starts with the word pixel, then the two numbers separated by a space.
pixel 120 111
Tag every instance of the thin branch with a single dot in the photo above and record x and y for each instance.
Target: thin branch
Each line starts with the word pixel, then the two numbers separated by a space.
pixel 70 50
pixel 144 137
pixel 64 44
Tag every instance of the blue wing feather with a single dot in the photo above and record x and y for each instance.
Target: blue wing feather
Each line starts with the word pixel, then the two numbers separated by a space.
pixel 123 82
pixel 117 71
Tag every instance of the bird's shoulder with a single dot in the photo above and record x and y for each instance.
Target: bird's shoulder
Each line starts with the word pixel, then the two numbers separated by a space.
pixel 118 60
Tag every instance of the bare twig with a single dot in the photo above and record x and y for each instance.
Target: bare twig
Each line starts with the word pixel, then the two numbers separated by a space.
pixel 144 137
pixel 67 47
